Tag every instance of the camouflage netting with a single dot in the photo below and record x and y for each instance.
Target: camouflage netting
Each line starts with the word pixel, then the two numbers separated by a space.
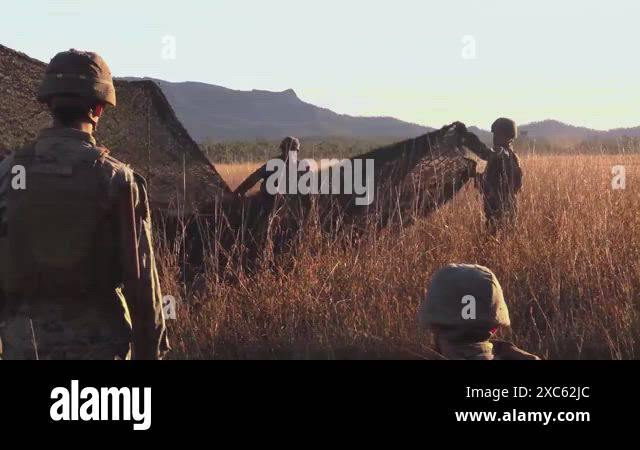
pixel 412 179
pixel 142 131
pixel 416 176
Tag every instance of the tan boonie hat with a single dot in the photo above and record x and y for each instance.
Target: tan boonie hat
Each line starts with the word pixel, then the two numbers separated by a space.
pixel 78 74
pixel 507 126
pixel 452 291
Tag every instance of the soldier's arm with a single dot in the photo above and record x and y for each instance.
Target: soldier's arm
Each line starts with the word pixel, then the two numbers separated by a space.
pixel 148 319
pixel 251 181
pixel 517 173
pixel 473 143
pixel 5 184
pixel 141 283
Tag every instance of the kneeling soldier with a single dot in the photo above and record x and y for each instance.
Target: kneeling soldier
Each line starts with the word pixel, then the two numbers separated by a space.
pixel 464 308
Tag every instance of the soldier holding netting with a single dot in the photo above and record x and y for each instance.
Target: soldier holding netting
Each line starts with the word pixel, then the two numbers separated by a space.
pixel 502 179
pixel 288 146
pixel 78 278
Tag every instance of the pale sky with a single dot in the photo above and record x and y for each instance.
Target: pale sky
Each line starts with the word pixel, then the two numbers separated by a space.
pixel 575 61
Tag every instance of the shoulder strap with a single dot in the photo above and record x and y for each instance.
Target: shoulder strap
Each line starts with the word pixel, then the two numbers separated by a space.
pixel 28 152
pixel 105 156
pixel 104 151
pixel 94 155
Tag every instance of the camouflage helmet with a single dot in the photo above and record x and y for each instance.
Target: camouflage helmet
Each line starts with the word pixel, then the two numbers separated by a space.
pixel 78 74
pixel 452 290
pixel 290 144
pixel 506 126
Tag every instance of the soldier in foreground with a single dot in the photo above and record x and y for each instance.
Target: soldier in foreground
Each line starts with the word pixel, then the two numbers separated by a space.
pixel 502 178
pixel 464 308
pixel 77 269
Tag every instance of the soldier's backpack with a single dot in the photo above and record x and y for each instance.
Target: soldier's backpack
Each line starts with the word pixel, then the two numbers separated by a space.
pixel 61 233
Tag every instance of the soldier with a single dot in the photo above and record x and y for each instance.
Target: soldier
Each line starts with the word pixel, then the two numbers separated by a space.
pixel 78 276
pixel 502 178
pixel 288 145
pixel 464 308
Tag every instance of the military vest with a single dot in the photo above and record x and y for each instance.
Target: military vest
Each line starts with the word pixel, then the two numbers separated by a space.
pixel 61 239
pixel 500 176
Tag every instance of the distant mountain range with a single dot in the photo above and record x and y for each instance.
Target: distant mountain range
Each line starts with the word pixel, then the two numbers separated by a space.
pixel 558 131
pixel 216 113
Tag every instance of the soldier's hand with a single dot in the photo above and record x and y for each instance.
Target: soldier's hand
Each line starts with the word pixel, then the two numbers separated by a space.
pixel 469 139
pixel 454 134
pixel 460 128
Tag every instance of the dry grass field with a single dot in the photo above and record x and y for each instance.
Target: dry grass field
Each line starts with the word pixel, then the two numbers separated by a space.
pixel 571 275
pixel 234 174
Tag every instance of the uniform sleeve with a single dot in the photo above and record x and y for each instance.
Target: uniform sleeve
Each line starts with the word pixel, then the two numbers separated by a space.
pixel 506 351
pixel 145 304
pixel 251 181
pixel 5 181
pixel 150 316
pixel 517 173
pixel 473 143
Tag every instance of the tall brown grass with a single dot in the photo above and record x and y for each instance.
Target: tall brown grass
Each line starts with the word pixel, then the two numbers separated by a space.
pixel 235 174
pixel 570 272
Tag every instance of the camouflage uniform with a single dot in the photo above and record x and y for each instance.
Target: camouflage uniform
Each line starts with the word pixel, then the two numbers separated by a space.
pixel 62 282
pixel 502 178
pixel 458 336
pixel 91 325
